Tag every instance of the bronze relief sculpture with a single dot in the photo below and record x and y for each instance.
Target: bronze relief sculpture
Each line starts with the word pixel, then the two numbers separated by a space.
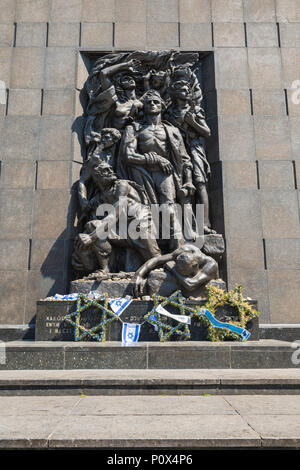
pixel 145 170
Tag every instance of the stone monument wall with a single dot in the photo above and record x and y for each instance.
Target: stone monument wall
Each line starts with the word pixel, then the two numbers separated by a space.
pixel 248 75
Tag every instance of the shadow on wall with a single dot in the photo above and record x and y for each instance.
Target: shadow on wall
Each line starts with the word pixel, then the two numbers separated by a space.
pixel 55 273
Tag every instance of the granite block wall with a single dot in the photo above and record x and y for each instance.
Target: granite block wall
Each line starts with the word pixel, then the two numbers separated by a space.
pixel 254 48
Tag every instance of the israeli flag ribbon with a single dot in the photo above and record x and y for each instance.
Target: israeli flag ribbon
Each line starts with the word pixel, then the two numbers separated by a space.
pixel 130 333
pixel 180 318
pixel 65 297
pixel 119 305
pixel 228 326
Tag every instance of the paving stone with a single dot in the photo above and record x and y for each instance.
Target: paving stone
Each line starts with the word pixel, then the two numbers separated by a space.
pixel 55 138
pixel 131 11
pixel 37 406
pixel 163 37
pixel 236 144
pixel 58 102
pixel 284 287
pixel 227 10
pixel 262 35
pixel 232 68
pixel 27 67
pixel 258 11
pixel 240 175
pixel 265 405
pixel 15 213
pixel 197 35
pixel 279 210
pixel 12 299
pixel 264 67
pixel 276 431
pixel 24 102
pixel 17 174
pixel 97 34
pixel 151 405
pixel 233 102
pixel 130 34
pixel 152 431
pixel 70 11
pixel 287 11
pixel 60 67
pixel 283 253
pixel 32 11
pixel 194 11
pixel 98 10
pixel 229 35
pixel 162 11
pixel 63 34
pixel 276 175
pixel 269 102
pixel 6 34
pixel 272 138
pixel 31 34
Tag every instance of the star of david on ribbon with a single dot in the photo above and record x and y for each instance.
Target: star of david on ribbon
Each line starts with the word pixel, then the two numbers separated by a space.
pixel 106 315
pixel 165 330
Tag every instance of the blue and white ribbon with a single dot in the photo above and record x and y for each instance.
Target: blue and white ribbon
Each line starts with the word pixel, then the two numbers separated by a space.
pixel 228 326
pixel 130 333
pixel 65 297
pixel 181 318
pixel 119 305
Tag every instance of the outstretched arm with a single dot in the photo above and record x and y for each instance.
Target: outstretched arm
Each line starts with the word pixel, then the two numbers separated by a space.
pixel 105 74
pixel 150 265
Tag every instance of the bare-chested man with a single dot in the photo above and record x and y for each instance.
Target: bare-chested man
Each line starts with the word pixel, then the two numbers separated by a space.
pixel 156 158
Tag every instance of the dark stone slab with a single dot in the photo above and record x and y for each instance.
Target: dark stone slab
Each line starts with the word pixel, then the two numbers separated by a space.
pixel 31 355
pixel 272 356
pixel 282 332
pixel 45 355
pixel 16 332
pixel 50 324
pixel 105 356
pixel 189 356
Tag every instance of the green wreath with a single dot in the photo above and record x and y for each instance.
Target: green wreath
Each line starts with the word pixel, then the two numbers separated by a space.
pixel 234 298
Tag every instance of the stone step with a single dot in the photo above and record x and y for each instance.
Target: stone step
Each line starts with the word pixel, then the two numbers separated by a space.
pixel 263 354
pixel 150 382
